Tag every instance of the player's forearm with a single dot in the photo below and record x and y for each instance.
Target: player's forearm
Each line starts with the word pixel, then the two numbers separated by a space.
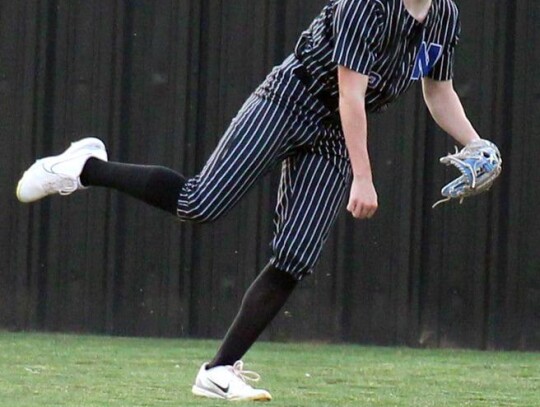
pixel 447 111
pixel 354 123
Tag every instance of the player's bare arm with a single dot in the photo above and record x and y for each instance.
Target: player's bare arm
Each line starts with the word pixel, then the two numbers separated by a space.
pixel 352 89
pixel 446 109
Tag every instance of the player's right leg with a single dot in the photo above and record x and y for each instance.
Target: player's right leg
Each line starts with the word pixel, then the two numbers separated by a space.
pixel 253 143
pixel 85 163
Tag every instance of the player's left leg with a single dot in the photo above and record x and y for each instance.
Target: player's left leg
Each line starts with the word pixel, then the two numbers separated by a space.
pixel 310 194
pixel 261 303
pixel 308 205
pixel 311 191
pixel 223 376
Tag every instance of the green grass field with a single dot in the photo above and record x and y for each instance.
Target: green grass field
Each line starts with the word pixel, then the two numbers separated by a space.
pixel 69 370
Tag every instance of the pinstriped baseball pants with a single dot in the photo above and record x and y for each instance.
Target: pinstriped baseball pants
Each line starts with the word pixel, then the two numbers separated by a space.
pixel 280 122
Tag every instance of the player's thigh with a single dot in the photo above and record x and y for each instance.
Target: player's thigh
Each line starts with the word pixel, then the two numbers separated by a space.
pixel 311 192
pixel 253 143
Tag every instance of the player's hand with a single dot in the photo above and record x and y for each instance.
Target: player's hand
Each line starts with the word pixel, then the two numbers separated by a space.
pixel 363 202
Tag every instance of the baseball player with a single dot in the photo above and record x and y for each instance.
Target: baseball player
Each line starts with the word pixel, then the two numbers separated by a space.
pixel 357 57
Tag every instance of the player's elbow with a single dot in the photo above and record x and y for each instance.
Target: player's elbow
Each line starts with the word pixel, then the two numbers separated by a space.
pixel 350 102
pixel 351 99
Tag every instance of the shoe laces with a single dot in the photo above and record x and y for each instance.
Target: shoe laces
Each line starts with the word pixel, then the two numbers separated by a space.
pixel 63 185
pixel 244 375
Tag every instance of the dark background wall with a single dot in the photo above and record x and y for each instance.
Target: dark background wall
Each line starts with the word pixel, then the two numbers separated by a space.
pixel 159 81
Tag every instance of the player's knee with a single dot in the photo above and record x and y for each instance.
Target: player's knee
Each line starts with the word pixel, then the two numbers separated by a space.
pixel 297 260
pixel 197 217
pixel 199 212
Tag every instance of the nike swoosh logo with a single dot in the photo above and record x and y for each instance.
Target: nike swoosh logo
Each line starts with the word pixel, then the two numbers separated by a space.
pixel 223 389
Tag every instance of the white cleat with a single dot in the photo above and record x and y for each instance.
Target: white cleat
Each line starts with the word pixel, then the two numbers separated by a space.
pixel 228 383
pixel 59 174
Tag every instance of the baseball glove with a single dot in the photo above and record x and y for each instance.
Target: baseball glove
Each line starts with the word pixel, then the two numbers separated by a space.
pixel 480 164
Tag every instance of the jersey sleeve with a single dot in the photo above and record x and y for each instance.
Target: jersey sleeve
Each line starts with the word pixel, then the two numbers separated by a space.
pixel 444 68
pixel 356 32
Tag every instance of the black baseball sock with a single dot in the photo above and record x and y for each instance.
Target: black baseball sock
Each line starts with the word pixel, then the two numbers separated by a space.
pixel 155 185
pixel 261 303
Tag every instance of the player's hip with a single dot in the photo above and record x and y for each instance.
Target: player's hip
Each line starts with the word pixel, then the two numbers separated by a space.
pixel 286 86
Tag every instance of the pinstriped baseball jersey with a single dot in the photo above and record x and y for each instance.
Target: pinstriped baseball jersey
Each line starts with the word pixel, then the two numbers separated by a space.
pixel 292 118
pixel 380 39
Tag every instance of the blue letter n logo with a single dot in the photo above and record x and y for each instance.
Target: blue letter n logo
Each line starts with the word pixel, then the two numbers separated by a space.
pixel 426 59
